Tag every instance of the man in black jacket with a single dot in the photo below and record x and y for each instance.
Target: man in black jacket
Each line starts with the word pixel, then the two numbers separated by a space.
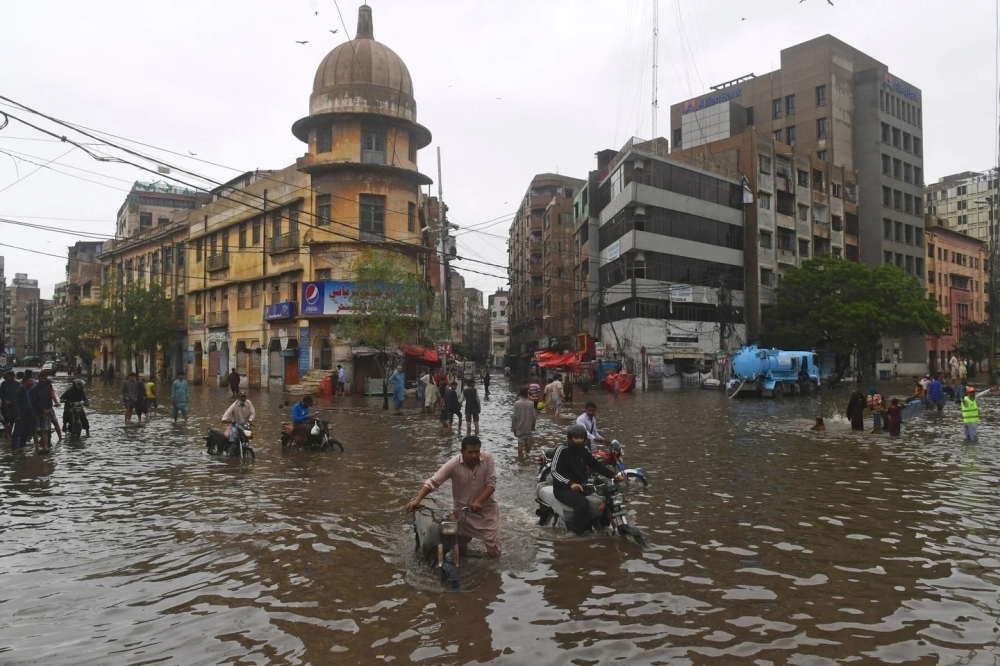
pixel 569 475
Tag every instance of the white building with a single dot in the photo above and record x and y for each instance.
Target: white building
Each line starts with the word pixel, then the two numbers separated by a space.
pixel 498 328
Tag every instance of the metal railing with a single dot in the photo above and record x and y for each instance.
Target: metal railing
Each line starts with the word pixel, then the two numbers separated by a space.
pixel 217 262
pixel 218 318
pixel 285 242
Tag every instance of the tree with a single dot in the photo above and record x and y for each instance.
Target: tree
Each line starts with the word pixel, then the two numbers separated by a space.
pixel 974 343
pixel 80 330
pixel 847 308
pixel 386 308
pixel 142 319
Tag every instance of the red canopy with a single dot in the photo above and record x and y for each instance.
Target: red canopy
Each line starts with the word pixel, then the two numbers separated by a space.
pixel 558 360
pixel 429 355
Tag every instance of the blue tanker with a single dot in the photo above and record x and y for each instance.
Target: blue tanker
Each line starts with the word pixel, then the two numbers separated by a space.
pixel 771 373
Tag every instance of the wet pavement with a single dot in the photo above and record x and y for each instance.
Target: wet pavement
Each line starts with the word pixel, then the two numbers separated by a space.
pixel 769 544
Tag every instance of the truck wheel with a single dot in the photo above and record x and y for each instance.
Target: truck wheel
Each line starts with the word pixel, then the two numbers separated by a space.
pixel 778 390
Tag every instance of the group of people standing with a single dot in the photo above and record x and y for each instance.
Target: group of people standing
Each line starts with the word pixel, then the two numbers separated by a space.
pixel 27 406
pixel 439 392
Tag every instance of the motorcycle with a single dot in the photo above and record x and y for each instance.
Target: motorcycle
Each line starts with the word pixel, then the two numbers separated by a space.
pixel 318 439
pixel 607 509
pixel 218 444
pixel 613 458
pixel 436 535
pixel 75 425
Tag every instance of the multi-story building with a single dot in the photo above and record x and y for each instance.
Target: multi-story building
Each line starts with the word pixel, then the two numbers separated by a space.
pixel 671 252
pixel 156 204
pixel 273 251
pixel 47 332
pixel 38 328
pixel 802 208
pixel 21 292
pixel 456 304
pixel 540 266
pixel 4 311
pixel 153 255
pixel 498 328
pixel 957 279
pixel 840 107
pixel 476 326
pixel 967 201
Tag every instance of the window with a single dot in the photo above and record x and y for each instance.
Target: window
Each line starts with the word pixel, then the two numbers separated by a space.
pixel 887 257
pixel 324 139
pixel 749 122
pixel 896 137
pixel 963 205
pixel 930 253
pixel 160 221
pixel 242 296
pixel 791 135
pixel 412 143
pixel 411 214
pixel 821 128
pixel 897 235
pixel 778 136
pixel 837 223
pixel 197 304
pixel 764 200
pixel 820 95
pixel 907 142
pixel 255 295
pixel 803 248
pixel 765 164
pixel 255 234
pixel 909 264
pixel 766 240
pixel 243 235
pixel 323 274
pixel 197 250
pixel 821 155
pixel 885 133
pixel 886 196
pixel 372 217
pixel 372 145
pixel 677 137
pixel 835 190
pixel 293 292
pixel 803 213
pixel 930 277
pixel 817 180
pixel 180 254
pixel 918 146
pixel 907 172
pixel 897 168
pixel 886 165
pixel 790 105
pixel 899 260
pixel 776 108
pixel 323 210
pixel 897 200
pixel 803 178
pixel 145 220
pixel 293 220
pixel 918 176
pixel 275 224
pixel 881 100
pixel 908 234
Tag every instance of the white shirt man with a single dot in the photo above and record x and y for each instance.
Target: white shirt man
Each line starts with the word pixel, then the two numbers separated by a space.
pixel 241 411
pixel 589 421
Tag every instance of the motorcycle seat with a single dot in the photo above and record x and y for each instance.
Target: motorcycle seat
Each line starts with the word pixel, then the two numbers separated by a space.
pixel 548 453
pixel 216 432
pixel 547 495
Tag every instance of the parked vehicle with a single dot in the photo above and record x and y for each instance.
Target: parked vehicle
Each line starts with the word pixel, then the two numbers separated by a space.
pixel 613 458
pixel 607 509
pixel 317 437
pixel 218 444
pixel 771 373
pixel 48 369
pixel 436 535
pixel 75 425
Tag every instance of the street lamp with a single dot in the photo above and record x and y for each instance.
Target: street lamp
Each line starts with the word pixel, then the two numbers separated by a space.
pixel 994 289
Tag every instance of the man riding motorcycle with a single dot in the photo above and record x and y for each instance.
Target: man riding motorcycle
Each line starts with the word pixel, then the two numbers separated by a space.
pixel 569 476
pixel 240 412
pixel 75 393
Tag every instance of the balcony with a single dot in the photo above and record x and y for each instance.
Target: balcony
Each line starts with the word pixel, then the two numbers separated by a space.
pixel 218 262
pixel 786 256
pixel 285 243
pixel 218 319
pixel 785 221
pixel 765 256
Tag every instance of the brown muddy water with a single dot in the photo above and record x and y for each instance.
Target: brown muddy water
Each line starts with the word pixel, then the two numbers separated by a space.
pixel 768 544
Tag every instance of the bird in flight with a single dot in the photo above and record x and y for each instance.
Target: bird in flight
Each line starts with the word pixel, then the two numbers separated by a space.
pixel 305 42
pixel 334 31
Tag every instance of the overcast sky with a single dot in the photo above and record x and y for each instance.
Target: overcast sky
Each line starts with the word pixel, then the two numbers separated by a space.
pixel 226 79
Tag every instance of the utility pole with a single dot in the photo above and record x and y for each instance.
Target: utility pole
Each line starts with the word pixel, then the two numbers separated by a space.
pixel 443 239
pixel 656 61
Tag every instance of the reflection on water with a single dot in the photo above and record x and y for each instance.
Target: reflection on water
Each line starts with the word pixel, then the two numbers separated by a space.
pixel 769 543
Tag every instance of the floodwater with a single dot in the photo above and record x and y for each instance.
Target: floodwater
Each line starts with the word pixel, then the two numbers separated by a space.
pixel 768 544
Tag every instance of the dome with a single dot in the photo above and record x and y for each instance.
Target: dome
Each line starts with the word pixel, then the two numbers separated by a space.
pixel 363 76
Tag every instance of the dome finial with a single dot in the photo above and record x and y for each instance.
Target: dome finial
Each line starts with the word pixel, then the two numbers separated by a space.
pixel 366 29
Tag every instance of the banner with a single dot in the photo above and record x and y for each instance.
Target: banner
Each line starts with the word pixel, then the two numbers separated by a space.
pixel 334 298
pixel 655 366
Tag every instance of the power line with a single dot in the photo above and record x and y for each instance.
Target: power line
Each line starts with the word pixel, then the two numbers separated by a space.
pixel 28 175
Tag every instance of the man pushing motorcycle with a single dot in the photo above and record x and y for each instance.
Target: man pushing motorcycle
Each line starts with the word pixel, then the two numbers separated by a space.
pixel 240 412
pixel 569 476
pixel 473 481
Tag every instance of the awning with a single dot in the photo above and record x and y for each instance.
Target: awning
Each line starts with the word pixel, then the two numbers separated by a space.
pixel 424 353
pixel 568 358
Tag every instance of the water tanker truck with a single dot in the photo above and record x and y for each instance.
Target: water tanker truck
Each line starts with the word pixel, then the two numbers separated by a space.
pixel 771 373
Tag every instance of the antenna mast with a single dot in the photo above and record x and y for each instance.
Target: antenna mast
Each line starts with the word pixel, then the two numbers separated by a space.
pixel 656 60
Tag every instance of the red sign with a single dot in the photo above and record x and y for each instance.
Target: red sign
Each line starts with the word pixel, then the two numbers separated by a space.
pixel 444 349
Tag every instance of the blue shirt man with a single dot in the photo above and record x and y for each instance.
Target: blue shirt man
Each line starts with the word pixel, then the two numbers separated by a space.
pixel 935 394
pixel 300 410
pixel 179 395
pixel 398 383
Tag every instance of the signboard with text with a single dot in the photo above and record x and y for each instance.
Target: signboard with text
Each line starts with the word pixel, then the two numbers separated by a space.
pixel 278 311
pixel 334 298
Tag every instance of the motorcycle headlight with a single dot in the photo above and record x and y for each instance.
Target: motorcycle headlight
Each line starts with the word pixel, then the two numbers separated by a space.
pixel 248 433
pixel 449 528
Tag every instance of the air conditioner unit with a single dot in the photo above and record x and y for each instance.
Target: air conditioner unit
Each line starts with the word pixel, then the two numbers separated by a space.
pixel 640 211
pixel 638 165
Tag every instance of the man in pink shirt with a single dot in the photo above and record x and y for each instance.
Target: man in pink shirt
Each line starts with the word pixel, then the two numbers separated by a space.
pixel 473 481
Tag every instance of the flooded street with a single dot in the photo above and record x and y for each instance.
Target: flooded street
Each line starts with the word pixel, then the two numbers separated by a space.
pixel 768 544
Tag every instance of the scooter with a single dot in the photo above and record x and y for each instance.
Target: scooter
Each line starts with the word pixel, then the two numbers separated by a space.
pixel 436 535
pixel 613 458
pixel 319 438
pixel 607 509
pixel 218 444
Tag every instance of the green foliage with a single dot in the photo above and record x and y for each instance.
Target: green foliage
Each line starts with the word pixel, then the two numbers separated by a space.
pixel 387 303
pixel 141 318
pixel 974 342
pixel 846 307
pixel 80 330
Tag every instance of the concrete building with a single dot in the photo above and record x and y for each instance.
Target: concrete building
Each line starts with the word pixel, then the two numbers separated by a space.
pixel 586 248
pixel 842 107
pixel 21 292
pixel 84 273
pixel 39 340
pixel 476 326
pixel 541 265
pixel 671 256
pixel 456 304
pixel 498 328
pixel 4 311
pixel 957 280
pixel 155 204
pixel 966 201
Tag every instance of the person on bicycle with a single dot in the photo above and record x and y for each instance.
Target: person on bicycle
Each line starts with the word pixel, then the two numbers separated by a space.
pixel 239 413
pixel 75 393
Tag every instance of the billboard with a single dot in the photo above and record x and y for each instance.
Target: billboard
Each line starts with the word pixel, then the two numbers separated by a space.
pixel 330 298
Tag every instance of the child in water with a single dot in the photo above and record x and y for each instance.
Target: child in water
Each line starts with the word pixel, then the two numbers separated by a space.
pixel 895 417
pixel 819 425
